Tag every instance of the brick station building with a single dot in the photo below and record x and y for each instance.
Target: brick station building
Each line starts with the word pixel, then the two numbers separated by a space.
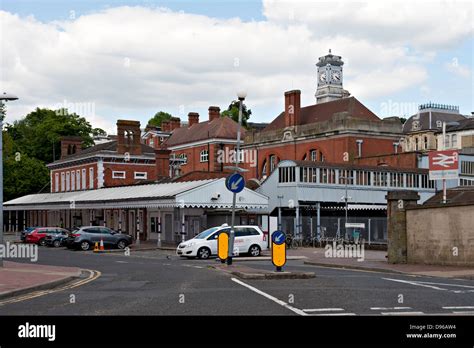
pixel 120 162
pixel 338 128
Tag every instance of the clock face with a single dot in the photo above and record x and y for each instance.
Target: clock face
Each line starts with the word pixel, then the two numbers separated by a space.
pixel 322 77
pixel 336 76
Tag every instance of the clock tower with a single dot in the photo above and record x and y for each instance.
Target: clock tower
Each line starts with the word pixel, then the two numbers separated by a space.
pixel 330 79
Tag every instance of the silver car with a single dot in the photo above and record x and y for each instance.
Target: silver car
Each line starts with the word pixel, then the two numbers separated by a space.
pixel 85 238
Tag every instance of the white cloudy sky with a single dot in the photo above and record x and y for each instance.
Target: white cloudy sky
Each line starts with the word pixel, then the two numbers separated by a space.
pixel 129 59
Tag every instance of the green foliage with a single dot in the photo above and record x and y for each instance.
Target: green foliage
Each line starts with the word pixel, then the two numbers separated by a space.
pixel 41 130
pixel 29 145
pixel 403 120
pixel 233 112
pixel 159 117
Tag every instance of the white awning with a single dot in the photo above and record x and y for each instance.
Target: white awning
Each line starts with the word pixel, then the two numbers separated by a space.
pixel 190 194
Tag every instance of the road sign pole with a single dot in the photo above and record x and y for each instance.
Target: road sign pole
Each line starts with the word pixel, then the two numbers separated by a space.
pixel 444 191
pixel 237 158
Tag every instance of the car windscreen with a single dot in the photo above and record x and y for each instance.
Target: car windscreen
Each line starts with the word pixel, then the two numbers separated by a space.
pixel 206 233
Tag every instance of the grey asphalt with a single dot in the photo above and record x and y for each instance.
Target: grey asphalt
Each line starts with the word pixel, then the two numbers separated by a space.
pixel 159 283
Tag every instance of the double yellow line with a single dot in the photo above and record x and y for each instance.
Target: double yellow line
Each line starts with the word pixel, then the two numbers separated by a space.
pixel 93 275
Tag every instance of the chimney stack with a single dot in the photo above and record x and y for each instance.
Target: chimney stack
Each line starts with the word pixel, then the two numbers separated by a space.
pixel 193 118
pixel 70 145
pixel 165 126
pixel 128 137
pixel 162 162
pixel 214 113
pixel 292 108
pixel 175 122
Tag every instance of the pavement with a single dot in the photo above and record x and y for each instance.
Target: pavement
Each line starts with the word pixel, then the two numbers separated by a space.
pixel 375 260
pixel 19 278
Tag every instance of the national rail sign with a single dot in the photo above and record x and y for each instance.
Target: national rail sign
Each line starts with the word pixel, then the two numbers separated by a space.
pixel 443 164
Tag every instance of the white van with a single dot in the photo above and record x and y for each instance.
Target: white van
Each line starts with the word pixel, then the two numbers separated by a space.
pixel 248 239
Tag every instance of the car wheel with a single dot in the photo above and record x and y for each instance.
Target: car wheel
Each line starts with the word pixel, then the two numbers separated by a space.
pixel 57 243
pixel 122 244
pixel 42 242
pixel 204 253
pixel 85 245
pixel 254 250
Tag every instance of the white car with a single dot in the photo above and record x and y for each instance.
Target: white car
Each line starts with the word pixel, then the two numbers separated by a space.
pixel 248 239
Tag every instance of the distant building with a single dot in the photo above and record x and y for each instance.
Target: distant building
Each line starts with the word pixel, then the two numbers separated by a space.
pixel 420 130
pixel 458 136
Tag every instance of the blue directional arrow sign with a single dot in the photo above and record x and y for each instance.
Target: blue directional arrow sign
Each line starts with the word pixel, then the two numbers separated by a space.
pixel 235 183
pixel 278 237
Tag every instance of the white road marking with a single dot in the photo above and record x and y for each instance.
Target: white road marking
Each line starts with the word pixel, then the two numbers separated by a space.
pixel 458 307
pixel 270 297
pixel 464 312
pixel 121 261
pixel 432 285
pixel 402 313
pixel 332 314
pixel 415 283
pixel 388 308
pixel 323 309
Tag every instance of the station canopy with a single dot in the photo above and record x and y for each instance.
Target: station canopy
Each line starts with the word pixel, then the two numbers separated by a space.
pixel 210 193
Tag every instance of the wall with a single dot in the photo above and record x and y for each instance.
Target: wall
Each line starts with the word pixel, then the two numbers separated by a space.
pixel 129 169
pixel 432 233
pixel 398 160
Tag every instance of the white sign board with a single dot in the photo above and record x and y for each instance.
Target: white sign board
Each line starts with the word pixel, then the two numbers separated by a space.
pixel 355 225
pixel 444 174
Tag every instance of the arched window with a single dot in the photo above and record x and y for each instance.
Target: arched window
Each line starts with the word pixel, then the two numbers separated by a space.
pixel 426 142
pixel 313 155
pixel 204 156
pixel 273 163
pixel 416 144
pixel 264 168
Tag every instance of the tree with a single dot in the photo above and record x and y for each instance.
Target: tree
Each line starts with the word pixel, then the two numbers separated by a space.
pixel 233 112
pixel 38 134
pixel 403 120
pixel 159 117
pixel 30 143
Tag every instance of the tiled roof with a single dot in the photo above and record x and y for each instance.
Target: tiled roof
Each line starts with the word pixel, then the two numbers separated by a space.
pixel 424 121
pixel 110 146
pixel 324 112
pixel 465 124
pixel 222 127
pixel 457 195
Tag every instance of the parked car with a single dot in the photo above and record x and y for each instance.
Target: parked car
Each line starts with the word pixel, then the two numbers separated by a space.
pixel 26 231
pixel 57 238
pixel 85 238
pixel 248 240
pixel 39 234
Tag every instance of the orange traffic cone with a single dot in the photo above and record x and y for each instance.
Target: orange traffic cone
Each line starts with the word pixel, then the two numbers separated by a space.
pixel 101 244
pixel 96 247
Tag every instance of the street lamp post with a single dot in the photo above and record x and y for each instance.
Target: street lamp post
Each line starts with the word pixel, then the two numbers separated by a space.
pixel 241 95
pixel 3 98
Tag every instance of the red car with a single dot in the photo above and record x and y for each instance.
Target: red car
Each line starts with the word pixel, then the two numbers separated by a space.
pixel 38 235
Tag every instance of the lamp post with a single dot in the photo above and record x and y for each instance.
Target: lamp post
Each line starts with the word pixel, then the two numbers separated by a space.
pixel 3 98
pixel 241 95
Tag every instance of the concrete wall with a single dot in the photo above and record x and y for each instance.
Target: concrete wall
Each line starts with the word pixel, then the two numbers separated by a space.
pixel 432 233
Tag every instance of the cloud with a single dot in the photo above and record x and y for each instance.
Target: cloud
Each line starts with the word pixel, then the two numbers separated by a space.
pixel 459 69
pixel 130 62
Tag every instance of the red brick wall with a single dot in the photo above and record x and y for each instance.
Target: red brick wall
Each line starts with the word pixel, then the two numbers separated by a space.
pixel 75 168
pixel 129 170
pixel 332 149
pixel 400 160
pixel 194 158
